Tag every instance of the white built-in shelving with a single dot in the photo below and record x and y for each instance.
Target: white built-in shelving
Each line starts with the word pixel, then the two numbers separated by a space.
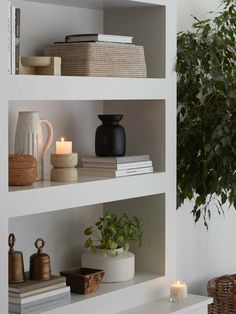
pixel 60 212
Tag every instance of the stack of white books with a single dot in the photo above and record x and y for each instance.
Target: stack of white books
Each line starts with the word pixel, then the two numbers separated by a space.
pixel 115 166
pixel 36 296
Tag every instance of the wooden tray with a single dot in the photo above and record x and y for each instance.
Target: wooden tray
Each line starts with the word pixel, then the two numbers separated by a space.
pixel 83 280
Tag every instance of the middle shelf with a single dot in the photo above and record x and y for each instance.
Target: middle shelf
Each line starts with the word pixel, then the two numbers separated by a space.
pixel 45 196
pixel 33 87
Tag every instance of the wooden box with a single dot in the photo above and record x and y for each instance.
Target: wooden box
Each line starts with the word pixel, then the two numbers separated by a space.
pixel 99 59
pixel 83 280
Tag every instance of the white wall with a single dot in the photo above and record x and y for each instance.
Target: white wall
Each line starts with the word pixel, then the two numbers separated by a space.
pixel 199 8
pixel 203 254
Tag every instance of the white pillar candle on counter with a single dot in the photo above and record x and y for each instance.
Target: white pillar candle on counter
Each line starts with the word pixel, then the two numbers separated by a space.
pixel 63 147
pixel 178 291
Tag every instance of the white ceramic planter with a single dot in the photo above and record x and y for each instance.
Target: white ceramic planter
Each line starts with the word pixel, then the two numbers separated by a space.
pixel 117 267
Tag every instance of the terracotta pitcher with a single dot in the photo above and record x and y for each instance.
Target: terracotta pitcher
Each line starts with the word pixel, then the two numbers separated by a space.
pixel 29 137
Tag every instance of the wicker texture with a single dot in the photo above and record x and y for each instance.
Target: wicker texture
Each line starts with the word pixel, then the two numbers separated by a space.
pixel 99 59
pixel 223 291
pixel 22 169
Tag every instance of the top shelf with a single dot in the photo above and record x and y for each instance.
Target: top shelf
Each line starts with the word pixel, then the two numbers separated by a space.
pixel 103 4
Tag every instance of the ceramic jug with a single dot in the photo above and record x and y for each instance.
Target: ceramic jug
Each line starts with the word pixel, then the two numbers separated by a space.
pixel 29 137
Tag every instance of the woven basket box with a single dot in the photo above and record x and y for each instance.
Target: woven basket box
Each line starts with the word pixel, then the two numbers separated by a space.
pixel 99 59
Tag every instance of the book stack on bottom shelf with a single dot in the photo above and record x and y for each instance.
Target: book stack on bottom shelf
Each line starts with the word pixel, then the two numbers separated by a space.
pixel 35 296
pixel 114 167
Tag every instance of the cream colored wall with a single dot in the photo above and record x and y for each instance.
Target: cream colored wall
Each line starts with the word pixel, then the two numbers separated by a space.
pixel 203 254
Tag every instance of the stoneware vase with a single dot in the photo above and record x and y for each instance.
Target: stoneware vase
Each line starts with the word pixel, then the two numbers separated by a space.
pixel 117 268
pixel 110 139
pixel 29 137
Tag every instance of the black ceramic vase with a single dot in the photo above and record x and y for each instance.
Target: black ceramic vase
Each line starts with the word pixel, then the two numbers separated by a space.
pixel 110 140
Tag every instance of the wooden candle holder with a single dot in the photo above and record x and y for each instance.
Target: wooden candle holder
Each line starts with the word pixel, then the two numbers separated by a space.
pixel 64 167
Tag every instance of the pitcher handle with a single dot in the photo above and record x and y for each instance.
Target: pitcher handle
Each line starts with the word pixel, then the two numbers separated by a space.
pixel 50 135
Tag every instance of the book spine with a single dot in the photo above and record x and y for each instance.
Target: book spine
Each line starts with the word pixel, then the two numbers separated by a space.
pixel 13 39
pixel 35 292
pixel 29 285
pixel 125 166
pixel 116 160
pixel 130 172
pixel 40 296
pixel 122 160
pixel 17 41
pixel 9 38
pixel 40 305
pixel 113 173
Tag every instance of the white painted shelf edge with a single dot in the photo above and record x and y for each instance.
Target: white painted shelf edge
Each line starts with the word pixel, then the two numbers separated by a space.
pixel 163 306
pixel 26 87
pixel 45 196
pixel 103 4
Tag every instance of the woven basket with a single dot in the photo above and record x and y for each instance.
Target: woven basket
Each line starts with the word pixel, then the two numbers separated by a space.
pixel 99 59
pixel 223 292
pixel 22 170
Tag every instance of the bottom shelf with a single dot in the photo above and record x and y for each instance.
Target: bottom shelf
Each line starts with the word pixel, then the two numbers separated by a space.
pixel 105 288
pixel 194 305
pixel 112 297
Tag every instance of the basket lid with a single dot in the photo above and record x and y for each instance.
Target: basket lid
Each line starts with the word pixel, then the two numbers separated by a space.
pixel 22 161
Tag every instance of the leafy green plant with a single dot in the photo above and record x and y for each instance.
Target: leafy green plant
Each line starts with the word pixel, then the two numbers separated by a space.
pixel 111 232
pixel 206 69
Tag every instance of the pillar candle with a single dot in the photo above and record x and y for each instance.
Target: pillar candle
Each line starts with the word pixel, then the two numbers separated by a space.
pixel 178 291
pixel 63 147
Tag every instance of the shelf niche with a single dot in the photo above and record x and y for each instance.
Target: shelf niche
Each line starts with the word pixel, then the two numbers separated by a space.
pixel 127 18
pixel 144 122
pixel 63 233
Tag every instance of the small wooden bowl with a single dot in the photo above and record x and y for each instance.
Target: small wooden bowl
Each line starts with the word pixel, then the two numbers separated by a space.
pixel 22 170
pixel 83 280
pixel 36 61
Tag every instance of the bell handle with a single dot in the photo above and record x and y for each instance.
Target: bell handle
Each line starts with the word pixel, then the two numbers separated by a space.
pixel 39 244
pixel 11 241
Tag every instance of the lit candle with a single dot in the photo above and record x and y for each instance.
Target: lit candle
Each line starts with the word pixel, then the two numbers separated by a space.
pixel 178 291
pixel 63 147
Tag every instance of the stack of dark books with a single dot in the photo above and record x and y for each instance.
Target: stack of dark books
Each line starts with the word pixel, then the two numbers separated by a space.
pixel 36 296
pixel 116 166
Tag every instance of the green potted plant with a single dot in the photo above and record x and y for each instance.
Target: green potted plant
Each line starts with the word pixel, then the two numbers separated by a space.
pixel 108 244
pixel 206 69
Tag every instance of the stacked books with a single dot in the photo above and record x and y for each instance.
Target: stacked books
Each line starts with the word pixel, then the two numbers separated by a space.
pixel 115 166
pixel 36 296
pixel 13 39
pixel 99 55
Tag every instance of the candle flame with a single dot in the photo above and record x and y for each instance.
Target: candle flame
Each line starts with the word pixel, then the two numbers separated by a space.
pixel 62 139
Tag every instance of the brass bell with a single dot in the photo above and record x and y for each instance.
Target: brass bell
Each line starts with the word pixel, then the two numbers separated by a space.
pixel 15 262
pixel 40 268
